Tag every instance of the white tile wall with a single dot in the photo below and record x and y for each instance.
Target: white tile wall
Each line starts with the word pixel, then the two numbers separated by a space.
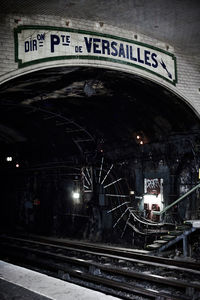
pixel 188 67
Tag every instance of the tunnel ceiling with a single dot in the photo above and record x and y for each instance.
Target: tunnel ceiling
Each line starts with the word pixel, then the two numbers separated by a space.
pixel 175 22
pixel 68 111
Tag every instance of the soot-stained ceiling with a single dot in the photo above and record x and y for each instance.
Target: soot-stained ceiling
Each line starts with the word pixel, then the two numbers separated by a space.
pixel 56 114
pixel 175 22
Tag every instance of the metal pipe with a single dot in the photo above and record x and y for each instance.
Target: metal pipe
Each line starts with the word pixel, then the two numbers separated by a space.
pixel 107 174
pixel 121 217
pixel 101 169
pixel 86 179
pixel 185 246
pixel 112 183
pixel 177 201
pixel 89 175
pixel 117 207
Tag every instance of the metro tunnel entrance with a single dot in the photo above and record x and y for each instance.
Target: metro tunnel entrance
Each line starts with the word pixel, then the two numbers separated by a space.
pixel 91 153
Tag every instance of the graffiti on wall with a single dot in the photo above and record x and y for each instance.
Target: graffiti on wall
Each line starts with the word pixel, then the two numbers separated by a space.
pixel 153 186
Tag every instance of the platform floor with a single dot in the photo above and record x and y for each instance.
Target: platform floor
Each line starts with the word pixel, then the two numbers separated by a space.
pixel 17 283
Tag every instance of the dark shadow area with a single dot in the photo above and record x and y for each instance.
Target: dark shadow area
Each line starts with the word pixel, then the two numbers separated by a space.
pixel 66 128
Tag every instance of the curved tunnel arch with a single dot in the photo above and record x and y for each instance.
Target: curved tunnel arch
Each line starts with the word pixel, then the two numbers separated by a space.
pixel 121 68
pixel 52 83
pixel 133 106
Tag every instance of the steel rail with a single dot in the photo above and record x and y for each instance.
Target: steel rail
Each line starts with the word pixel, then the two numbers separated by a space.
pixel 132 274
pixel 113 253
pixel 105 281
pixel 123 252
pixel 113 284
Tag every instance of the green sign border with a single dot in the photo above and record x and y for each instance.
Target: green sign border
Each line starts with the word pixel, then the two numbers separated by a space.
pixel 98 34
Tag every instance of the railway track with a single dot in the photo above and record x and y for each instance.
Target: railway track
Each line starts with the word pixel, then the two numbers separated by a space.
pixel 129 275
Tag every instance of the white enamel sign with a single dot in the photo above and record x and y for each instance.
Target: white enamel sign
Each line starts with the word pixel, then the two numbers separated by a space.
pixel 37 44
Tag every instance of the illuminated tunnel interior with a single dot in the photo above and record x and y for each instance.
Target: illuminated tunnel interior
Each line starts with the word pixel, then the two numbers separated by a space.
pixel 76 143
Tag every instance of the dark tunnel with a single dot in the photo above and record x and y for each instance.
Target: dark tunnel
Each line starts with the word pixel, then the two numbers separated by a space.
pixel 79 143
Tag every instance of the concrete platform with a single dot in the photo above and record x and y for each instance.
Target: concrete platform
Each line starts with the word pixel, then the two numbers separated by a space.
pixel 23 284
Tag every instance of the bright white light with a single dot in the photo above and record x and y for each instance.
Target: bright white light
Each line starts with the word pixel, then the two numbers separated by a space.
pixel 138 137
pixel 75 195
pixel 9 158
pixel 153 199
pixel 17 165
pixel 132 192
